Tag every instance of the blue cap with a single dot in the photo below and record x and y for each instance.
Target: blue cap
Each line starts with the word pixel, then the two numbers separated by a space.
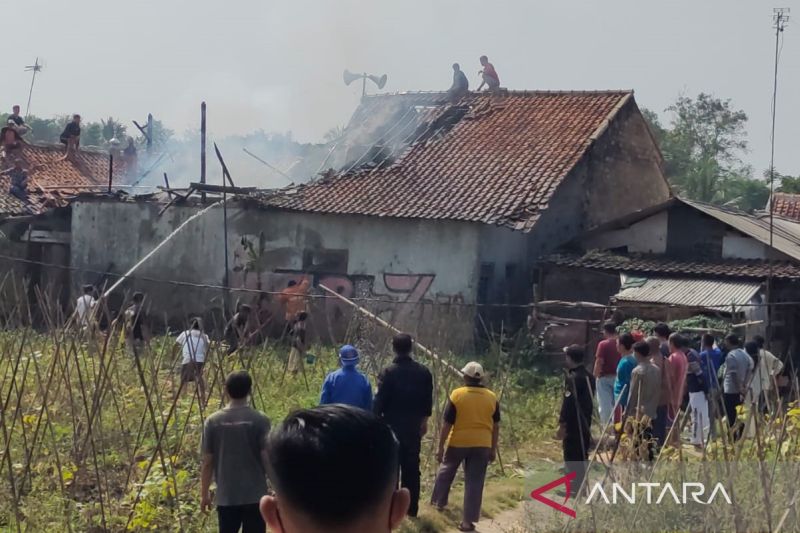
pixel 348 355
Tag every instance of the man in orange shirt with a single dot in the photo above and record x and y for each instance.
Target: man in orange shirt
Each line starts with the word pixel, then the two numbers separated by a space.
pixel 294 298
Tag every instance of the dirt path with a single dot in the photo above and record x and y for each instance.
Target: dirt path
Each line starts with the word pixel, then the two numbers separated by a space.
pixel 509 521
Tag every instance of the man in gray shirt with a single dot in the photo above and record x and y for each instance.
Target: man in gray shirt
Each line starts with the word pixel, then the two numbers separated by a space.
pixel 644 398
pixel 738 366
pixel 234 453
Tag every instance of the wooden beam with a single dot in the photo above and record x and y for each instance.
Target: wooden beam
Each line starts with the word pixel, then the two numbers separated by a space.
pixel 208 187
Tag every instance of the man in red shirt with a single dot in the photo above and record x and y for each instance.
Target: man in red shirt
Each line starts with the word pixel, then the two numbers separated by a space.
pixel 606 360
pixel 489 75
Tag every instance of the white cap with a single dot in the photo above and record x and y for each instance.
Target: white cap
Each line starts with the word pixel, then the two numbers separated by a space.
pixel 473 370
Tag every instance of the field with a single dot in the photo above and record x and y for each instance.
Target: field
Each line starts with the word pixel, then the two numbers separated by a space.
pixel 95 440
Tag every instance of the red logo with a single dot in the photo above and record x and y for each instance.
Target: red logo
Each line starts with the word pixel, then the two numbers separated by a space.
pixel 566 481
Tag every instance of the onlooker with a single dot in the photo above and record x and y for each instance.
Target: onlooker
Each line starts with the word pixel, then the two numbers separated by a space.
pixel 645 395
pixel 194 345
pixel 18 181
pixel 237 329
pixel 663 332
pixel 575 418
pixel 10 136
pixel 294 298
pixel 711 361
pixel 697 387
pixel 15 117
pixel 738 366
pixel 84 306
pixel 405 401
pixel 137 330
pixel 622 383
pixel 235 453
pixel 677 368
pixel 662 411
pixel 333 469
pixel 347 385
pixel 298 352
pixel 606 360
pixel 470 434
pixel 767 370
pixel 489 75
pixel 460 85
pixel 71 136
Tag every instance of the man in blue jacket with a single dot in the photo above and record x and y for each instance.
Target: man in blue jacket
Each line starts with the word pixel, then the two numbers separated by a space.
pixel 347 385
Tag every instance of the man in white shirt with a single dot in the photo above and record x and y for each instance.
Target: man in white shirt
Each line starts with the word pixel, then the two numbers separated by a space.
pixel 84 306
pixel 194 345
pixel 766 370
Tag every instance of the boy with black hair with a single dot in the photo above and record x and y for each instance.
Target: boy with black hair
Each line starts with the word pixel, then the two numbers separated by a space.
pixel 194 345
pixel 738 366
pixel 662 331
pixel 677 367
pixel 575 418
pixel 627 363
pixel 697 387
pixel 644 398
pixel 334 470
pixel 137 328
pixel 606 359
pixel 405 401
pixel 234 451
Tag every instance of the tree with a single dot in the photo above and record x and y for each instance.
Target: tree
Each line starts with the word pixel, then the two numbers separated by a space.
pixel 113 129
pixel 702 151
pixel 784 182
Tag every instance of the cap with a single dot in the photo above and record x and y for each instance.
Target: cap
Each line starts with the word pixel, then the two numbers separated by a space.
pixel 473 370
pixel 348 355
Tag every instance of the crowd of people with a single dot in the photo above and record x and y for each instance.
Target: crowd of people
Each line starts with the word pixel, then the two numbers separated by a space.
pixel 358 449
pixel 644 385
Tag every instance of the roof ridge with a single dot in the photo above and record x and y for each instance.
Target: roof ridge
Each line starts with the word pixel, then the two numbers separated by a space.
pixel 504 92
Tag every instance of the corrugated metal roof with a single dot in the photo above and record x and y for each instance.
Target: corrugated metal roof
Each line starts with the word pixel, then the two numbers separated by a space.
pixel 785 234
pixel 706 293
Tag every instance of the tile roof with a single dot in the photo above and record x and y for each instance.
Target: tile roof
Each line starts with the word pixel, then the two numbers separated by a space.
pixel 490 159
pixel 52 179
pixel 718 295
pixel 733 268
pixel 787 205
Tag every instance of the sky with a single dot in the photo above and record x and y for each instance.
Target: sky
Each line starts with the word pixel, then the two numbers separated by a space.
pixel 277 66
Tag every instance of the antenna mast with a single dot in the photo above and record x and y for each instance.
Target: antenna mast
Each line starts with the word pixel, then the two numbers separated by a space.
pixel 36 67
pixel 780 18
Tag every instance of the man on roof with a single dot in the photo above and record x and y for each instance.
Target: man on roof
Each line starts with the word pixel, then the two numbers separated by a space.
pixel 71 137
pixel 18 176
pixel 10 136
pixel 460 86
pixel 489 75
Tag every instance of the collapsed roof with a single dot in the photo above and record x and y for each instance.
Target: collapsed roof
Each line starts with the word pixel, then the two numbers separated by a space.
pixel 489 159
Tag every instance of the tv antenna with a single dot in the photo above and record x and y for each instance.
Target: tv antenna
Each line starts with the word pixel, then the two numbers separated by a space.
pixel 36 67
pixel 780 18
pixel 350 77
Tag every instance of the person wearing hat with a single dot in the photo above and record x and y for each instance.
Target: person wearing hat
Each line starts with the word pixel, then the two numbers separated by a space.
pixel 347 385
pixel 575 417
pixel 469 435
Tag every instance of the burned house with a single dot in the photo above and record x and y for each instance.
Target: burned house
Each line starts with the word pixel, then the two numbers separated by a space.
pixel 683 258
pixel 35 226
pixel 432 204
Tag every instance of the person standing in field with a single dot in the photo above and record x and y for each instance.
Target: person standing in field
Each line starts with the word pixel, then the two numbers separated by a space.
pixel 234 454
pixel 334 470
pixel 298 351
pixel 663 332
pixel 469 435
pixel 710 362
pixel 137 329
pixel 606 360
pixel 738 366
pixel 84 307
pixel 662 411
pixel 766 373
pixel 194 346
pixel 627 362
pixel 575 417
pixel 677 368
pixel 294 299
pixel 237 329
pixel 405 401
pixel 645 395
pixel 347 385
pixel 697 387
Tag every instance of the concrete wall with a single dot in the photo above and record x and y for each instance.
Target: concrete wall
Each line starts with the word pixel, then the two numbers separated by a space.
pixel 404 267
pixel 648 236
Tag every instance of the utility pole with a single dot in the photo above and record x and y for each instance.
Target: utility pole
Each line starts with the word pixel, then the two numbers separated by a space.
pixel 36 67
pixel 203 148
pixel 780 18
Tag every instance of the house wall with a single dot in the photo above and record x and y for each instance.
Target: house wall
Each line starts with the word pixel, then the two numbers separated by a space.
pixel 736 245
pixel 404 267
pixel 648 236
pixel 625 170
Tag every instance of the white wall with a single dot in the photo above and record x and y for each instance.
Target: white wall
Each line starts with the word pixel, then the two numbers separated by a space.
pixel 648 236
pixel 737 246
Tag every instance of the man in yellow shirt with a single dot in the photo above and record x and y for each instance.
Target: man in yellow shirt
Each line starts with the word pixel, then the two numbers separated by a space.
pixel 469 434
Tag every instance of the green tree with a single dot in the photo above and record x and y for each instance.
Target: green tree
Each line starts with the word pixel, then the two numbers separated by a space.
pixel 113 129
pixel 785 182
pixel 702 150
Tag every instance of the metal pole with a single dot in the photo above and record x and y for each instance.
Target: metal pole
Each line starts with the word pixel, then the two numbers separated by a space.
pixel 225 281
pixel 110 171
pixel 30 93
pixel 149 132
pixel 203 149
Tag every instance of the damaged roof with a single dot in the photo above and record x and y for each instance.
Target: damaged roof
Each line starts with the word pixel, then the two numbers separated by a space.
pixel 730 268
pixel 490 159
pixel 53 180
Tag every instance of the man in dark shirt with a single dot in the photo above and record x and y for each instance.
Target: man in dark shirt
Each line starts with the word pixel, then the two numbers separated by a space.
pixel 137 332
pixel 575 418
pixel 236 330
pixel 460 85
pixel 19 181
pixel 71 137
pixel 697 387
pixel 405 401
pixel 19 122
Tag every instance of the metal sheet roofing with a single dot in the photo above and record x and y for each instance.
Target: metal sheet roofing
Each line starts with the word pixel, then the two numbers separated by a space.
pixel 719 295
pixel 490 159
